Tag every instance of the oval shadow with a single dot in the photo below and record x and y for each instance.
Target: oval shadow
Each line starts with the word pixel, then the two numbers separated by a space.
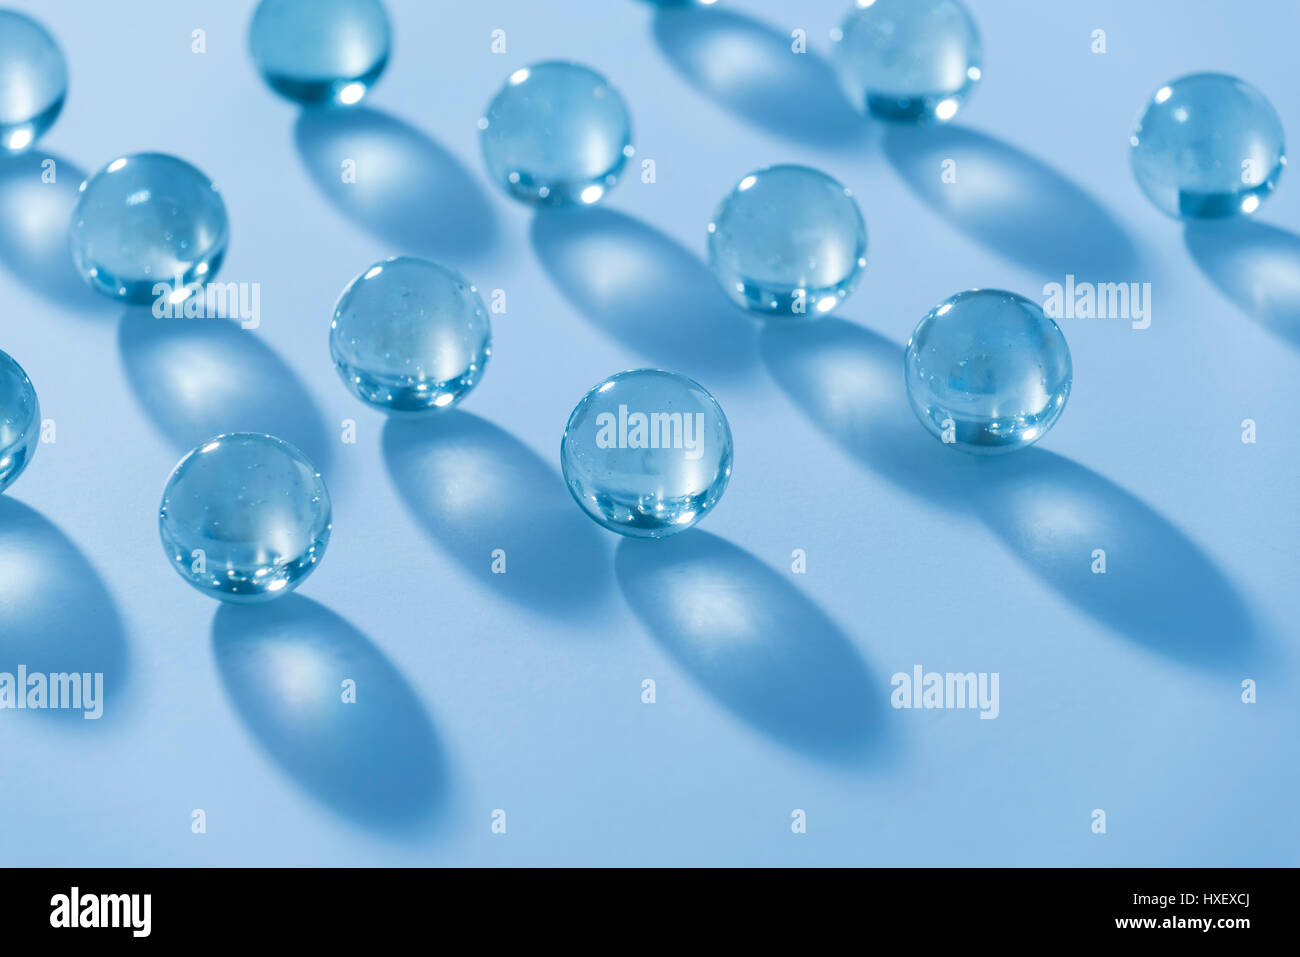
pixel 196 378
pixel 475 489
pixel 56 615
pixel 1159 588
pixel 34 220
pixel 751 69
pixel 756 643
pixel 409 191
pixel 645 290
pixel 1012 203
pixel 1255 265
pixel 849 382
pixel 376 760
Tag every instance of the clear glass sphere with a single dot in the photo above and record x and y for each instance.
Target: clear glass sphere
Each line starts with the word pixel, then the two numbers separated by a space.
pixel 245 517
pixel 1208 146
pixel 647 453
pixel 988 371
pixel 147 219
pixel 33 81
pixel 557 134
pixel 788 241
pixel 908 60
pixel 20 421
pixel 320 51
pixel 409 335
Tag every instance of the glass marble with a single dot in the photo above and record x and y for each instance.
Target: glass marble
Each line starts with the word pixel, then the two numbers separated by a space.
pixel 318 52
pixel 908 60
pixel 987 371
pixel 409 335
pixel 33 81
pixel 146 219
pixel 647 453
pixel 245 517
pixel 20 421
pixel 557 134
pixel 788 241
pixel 1208 146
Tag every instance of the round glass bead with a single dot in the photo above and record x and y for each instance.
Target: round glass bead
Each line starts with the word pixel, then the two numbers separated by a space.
pixel 908 60
pixel 647 453
pixel 147 219
pixel 556 135
pixel 1208 146
pixel 20 420
pixel 33 81
pixel 245 517
pixel 320 51
pixel 409 335
pixel 987 371
pixel 788 241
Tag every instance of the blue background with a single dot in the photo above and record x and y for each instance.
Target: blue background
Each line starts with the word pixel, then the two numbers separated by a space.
pixel 522 691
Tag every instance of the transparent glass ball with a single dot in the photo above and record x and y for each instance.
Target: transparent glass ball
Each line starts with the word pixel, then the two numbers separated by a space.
pixel 908 60
pixel 33 81
pixel 245 517
pixel 557 134
pixel 20 421
pixel 409 335
pixel 788 241
pixel 147 219
pixel 988 371
pixel 647 453
pixel 321 51
pixel 1208 146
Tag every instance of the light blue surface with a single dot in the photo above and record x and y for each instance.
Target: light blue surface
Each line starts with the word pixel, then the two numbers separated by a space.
pixel 987 371
pixel 788 241
pixel 523 691
pixel 410 335
pixel 556 134
pixel 245 517
pixel 1208 146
